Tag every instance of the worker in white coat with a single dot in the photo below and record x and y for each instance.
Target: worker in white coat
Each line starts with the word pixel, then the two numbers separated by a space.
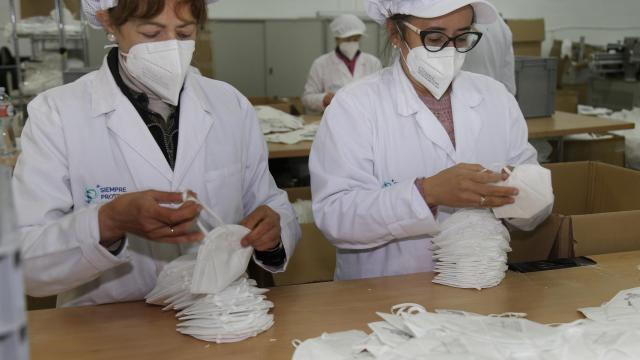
pixel 346 63
pixel 400 150
pixel 493 56
pixel 105 159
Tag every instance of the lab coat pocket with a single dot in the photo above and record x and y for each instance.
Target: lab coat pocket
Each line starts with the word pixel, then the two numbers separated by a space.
pixel 224 192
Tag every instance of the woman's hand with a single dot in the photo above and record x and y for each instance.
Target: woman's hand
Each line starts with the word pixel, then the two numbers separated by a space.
pixel 264 224
pixel 326 101
pixel 466 186
pixel 142 214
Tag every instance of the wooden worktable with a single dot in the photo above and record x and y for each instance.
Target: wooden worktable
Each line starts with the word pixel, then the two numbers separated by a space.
pixel 561 124
pixel 138 331
pixel 302 149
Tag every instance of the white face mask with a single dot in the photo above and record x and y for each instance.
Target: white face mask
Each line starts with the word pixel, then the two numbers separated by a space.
pixel 161 66
pixel 338 345
pixel 435 70
pixel 349 49
pixel 535 193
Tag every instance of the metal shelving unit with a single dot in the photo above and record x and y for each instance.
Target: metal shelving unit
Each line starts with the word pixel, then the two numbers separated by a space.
pixel 62 38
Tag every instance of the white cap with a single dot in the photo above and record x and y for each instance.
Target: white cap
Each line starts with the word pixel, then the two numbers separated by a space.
pixel 91 7
pixel 347 25
pixel 380 10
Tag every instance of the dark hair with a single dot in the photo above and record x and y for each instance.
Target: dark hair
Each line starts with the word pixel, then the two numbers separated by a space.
pixel 148 9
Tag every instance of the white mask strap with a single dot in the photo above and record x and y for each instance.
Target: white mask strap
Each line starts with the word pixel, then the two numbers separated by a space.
pixel 188 197
pixel 410 309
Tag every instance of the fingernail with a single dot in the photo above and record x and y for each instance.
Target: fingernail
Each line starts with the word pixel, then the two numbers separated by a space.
pixel 516 192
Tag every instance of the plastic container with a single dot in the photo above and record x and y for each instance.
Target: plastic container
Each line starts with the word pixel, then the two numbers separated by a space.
pixel 7 137
pixel 536 80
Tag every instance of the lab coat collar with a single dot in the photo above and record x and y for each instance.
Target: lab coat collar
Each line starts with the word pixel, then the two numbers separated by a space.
pixel 465 96
pixel 196 119
pixel 408 102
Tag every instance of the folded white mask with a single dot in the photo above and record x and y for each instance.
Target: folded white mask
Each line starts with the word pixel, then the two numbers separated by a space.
pixel 221 259
pixel 535 192
pixel 340 345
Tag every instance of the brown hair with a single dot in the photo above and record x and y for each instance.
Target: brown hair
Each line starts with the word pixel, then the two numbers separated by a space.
pixel 148 9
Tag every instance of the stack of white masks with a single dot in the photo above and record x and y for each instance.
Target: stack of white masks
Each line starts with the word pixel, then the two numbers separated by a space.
pixel 273 120
pixel 307 133
pixel 215 300
pixel 411 332
pixel 471 250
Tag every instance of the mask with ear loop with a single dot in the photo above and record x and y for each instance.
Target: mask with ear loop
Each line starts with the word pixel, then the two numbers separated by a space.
pixel 161 66
pixel 433 70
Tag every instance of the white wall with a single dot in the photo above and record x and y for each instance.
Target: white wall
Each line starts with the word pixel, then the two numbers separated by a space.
pixel 601 21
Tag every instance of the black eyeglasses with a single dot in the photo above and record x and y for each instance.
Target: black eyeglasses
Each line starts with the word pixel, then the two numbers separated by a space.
pixel 435 41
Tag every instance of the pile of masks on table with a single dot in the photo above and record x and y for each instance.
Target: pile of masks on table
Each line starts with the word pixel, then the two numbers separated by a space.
pixel 471 250
pixel 411 332
pixel 280 127
pixel 214 299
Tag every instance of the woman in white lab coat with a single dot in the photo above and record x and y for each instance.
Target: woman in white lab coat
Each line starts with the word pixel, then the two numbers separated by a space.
pixel 346 63
pixel 105 159
pixel 403 148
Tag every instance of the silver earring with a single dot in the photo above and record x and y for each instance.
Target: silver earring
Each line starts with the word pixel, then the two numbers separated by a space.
pixel 111 38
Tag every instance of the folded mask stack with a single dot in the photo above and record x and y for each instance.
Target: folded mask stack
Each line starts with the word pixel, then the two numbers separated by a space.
pixel 273 120
pixel 411 332
pixel 307 133
pixel 238 312
pixel 471 250
pixel 215 300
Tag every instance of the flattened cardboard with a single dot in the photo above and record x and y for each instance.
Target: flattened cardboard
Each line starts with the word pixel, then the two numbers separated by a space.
pixel 315 257
pixel 527 30
pixel 606 233
pixel 528 36
pixel 609 150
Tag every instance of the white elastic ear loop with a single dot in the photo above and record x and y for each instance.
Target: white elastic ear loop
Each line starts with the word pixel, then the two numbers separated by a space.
pixel 187 197
pixel 411 309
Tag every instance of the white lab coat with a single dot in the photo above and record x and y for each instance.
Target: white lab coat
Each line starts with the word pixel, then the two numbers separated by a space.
pixel 376 138
pixel 85 143
pixel 493 56
pixel 329 74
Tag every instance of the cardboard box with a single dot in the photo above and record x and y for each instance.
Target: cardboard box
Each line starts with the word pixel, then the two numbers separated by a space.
pixel 567 100
pixel 315 258
pixel 30 8
pixel 528 36
pixel 203 55
pixel 609 149
pixel 597 211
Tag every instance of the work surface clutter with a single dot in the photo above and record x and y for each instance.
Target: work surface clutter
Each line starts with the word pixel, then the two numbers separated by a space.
pixel 611 331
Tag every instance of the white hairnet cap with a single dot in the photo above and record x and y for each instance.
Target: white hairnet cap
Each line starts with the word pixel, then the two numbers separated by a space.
pixel 347 25
pixel 91 7
pixel 380 10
